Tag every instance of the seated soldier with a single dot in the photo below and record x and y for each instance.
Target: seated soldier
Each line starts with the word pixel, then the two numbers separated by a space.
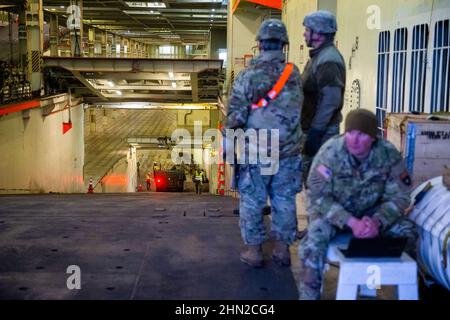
pixel 357 183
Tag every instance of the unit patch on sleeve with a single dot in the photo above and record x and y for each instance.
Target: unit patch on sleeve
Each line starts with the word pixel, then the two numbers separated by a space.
pixel 405 178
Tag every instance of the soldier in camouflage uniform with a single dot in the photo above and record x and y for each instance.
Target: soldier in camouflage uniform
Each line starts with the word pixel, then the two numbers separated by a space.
pixel 357 183
pixel 323 84
pixel 283 114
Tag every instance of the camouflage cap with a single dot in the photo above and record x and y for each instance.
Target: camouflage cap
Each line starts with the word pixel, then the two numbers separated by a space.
pixel 321 22
pixel 272 29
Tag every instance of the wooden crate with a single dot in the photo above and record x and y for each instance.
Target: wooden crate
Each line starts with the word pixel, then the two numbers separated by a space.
pixel 425 144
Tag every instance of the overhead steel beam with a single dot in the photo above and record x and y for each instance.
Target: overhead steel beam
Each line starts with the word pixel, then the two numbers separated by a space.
pixel 143 87
pixel 136 76
pixel 132 65
pixel 149 96
pixel 88 85
pixel 147 105
pixel 197 1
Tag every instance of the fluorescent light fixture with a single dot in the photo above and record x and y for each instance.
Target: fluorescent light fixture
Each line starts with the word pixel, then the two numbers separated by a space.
pixel 110 83
pixel 174 85
pixel 207 16
pixel 171 75
pixel 141 12
pixel 119 92
pixel 155 4
pixel 169 36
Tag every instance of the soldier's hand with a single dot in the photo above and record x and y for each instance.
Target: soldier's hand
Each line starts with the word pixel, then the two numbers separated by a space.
pixel 372 227
pixel 359 227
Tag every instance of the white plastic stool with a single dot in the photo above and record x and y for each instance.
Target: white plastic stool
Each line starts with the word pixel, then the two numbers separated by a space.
pixel 357 272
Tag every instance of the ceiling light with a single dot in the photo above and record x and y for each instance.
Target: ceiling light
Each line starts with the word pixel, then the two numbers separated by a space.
pixel 146 4
pixel 174 85
pixel 119 92
pixel 171 75
pixel 213 10
pixel 140 12
pixel 110 83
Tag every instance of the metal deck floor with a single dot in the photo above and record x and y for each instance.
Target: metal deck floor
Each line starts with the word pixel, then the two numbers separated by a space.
pixel 127 249
pixel 156 246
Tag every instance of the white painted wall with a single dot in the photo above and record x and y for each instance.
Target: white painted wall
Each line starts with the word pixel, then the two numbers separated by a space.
pixel 123 176
pixel 242 27
pixel 35 156
pixel 292 15
pixel 352 17
pixel 132 170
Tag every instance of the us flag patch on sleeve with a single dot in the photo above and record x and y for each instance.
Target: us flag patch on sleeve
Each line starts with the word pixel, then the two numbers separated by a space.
pixel 324 172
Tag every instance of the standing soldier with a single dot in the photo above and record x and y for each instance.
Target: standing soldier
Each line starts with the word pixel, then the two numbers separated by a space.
pixel 323 84
pixel 357 183
pixel 280 113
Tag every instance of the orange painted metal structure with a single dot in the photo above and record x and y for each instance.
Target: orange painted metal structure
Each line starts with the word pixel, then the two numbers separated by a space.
pixel 16 107
pixel 276 4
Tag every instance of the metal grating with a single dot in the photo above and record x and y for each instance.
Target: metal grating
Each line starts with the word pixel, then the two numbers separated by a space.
pixel 441 67
pixel 418 68
pixel 382 77
pixel 399 69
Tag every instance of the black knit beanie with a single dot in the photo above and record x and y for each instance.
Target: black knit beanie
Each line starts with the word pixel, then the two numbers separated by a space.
pixel 362 120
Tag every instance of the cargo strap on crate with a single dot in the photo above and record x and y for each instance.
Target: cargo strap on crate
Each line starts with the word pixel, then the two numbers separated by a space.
pixel 276 89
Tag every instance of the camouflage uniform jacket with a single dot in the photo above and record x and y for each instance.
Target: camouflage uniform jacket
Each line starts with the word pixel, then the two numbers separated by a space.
pixel 339 187
pixel 282 113
pixel 326 68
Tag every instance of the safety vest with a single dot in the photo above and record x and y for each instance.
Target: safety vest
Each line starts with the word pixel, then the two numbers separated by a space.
pixel 273 93
pixel 199 176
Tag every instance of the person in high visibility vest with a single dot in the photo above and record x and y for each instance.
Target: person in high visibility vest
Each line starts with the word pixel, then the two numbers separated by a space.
pixel 267 97
pixel 198 181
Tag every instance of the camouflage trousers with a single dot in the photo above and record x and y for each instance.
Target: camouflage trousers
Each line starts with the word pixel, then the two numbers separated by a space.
pixel 314 246
pixel 281 189
pixel 307 160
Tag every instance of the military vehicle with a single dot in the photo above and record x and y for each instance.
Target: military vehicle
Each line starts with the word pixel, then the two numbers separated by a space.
pixel 169 180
